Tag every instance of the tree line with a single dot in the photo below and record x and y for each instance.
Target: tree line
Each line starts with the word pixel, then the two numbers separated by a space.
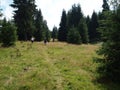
pixel 77 28
pixel 28 21
pixel 74 26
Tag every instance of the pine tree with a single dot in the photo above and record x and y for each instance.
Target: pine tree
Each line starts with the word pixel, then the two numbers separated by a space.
pixel 111 45
pixel 62 33
pixel 46 31
pixel 74 15
pixel 83 30
pixel 74 36
pixel 54 33
pixel 93 32
pixel 38 33
pixel 105 5
pixel 24 18
pixel 88 22
pixel 8 34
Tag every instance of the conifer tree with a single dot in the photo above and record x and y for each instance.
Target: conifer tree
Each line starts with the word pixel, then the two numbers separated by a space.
pixel 24 18
pixel 74 15
pixel 83 31
pixel 62 33
pixel 38 33
pixel 46 31
pixel 93 32
pixel 8 34
pixel 105 5
pixel 111 45
pixel 54 33
pixel 74 36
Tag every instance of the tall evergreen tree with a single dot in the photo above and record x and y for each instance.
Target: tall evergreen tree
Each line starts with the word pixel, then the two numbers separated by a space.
pixel 62 33
pixel 8 34
pixel 46 31
pixel 83 30
pixel 105 5
pixel 74 16
pixel 88 22
pixel 74 36
pixel 93 32
pixel 24 17
pixel 38 33
pixel 111 45
pixel 54 33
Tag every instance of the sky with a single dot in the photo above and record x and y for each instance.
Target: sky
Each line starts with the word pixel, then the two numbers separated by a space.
pixel 52 9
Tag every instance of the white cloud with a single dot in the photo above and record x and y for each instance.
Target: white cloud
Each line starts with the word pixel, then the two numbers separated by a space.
pixel 7 10
pixel 52 9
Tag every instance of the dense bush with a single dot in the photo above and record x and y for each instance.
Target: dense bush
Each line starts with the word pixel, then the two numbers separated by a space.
pixel 74 36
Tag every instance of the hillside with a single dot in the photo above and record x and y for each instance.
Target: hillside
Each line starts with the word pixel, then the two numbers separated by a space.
pixel 55 66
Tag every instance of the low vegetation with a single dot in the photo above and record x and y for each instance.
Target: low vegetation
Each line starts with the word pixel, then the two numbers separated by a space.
pixel 55 66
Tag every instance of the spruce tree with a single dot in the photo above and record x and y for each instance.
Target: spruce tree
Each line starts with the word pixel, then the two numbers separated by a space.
pixel 24 18
pixel 88 22
pixel 8 34
pixel 93 32
pixel 62 33
pixel 83 31
pixel 111 45
pixel 54 33
pixel 46 31
pixel 38 33
pixel 74 15
pixel 73 36
pixel 105 5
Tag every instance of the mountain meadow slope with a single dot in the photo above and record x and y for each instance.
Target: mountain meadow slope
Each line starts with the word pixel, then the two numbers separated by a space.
pixel 55 66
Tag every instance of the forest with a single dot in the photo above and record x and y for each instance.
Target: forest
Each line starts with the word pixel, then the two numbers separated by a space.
pixel 99 33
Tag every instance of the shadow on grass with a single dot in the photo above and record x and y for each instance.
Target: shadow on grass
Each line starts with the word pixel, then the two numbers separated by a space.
pixel 102 79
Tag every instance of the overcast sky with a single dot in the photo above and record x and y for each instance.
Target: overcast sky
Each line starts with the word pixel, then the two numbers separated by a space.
pixel 52 9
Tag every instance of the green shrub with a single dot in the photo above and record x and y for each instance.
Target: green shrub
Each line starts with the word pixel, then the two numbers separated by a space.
pixel 74 36
pixel 8 34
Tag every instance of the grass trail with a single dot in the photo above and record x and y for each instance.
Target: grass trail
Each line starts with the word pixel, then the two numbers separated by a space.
pixel 56 73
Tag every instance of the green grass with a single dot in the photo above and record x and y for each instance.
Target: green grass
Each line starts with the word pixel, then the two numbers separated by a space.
pixel 55 66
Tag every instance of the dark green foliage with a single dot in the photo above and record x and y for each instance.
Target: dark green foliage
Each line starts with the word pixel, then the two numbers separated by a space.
pixel 105 5
pixel 46 31
pixel 111 46
pixel 83 31
pixel 93 32
pixel 74 19
pixel 62 33
pixel 24 18
pixel 74 36
pixel 88 22
pixel 38 33
pixel 54 33
pixel 69 21
pixel 48 35
pixel 74 16
pixel 8 34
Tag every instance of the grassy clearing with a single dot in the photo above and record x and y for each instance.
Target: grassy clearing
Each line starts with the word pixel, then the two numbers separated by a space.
pixel 55 66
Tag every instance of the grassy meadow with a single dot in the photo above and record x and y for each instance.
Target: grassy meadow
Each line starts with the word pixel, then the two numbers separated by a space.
pixel 55 66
